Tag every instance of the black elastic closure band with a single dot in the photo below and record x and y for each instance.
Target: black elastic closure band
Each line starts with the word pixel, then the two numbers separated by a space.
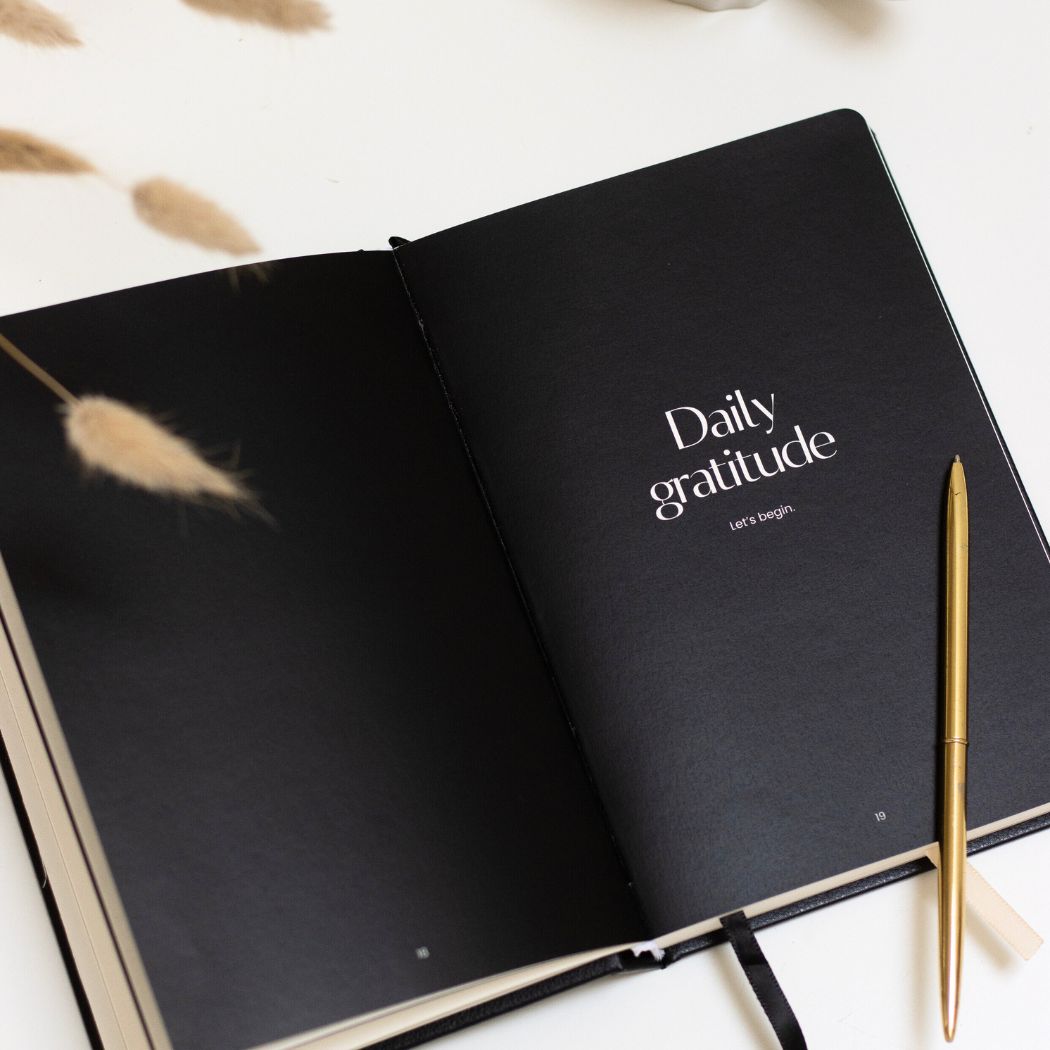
pixel 763 981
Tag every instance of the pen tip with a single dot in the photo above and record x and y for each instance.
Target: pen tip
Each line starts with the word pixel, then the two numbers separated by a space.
pixel 957 460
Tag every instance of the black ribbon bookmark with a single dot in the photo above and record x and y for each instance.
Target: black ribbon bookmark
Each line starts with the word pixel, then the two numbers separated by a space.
pixel 763 981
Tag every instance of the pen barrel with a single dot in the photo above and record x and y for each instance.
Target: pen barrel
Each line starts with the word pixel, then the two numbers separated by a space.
pixel 952 871
pixel 957 611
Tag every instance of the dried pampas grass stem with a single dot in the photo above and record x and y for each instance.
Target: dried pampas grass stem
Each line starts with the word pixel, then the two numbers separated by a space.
pixel 178 212
pixel 36 371
pixel 113 438
pixel 32 23
pixel 20 151
pixel 290 16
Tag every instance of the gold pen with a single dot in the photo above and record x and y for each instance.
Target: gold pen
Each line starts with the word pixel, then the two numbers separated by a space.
pixel 951 873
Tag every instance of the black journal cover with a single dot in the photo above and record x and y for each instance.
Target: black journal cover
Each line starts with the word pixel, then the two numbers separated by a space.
pixel 604 596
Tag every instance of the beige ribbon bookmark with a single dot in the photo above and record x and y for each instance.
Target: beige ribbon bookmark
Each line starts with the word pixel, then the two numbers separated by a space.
pixel 994 910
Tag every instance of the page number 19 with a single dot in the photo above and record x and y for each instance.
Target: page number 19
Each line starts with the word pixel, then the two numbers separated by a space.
pixel 880 816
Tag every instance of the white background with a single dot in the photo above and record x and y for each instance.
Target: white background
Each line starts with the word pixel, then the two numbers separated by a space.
pixel 411 115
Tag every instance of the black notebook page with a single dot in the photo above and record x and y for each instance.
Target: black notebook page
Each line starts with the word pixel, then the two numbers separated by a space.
pixel 756 679
pixel 324 756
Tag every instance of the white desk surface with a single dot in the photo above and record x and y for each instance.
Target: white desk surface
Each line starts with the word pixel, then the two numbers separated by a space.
pixel 413 115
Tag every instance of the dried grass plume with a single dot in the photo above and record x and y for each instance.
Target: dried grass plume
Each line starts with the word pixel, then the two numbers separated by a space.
pixel 32 23
pixel 178 212
pixel 113 438
pixel 290 16
pixel 116 439
pixel 21 151
pixel 161 203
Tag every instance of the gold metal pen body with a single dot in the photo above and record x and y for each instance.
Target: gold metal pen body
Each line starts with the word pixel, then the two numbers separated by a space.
pixel 953 816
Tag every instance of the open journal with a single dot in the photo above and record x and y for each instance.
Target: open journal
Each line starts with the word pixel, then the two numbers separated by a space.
pixel 598 596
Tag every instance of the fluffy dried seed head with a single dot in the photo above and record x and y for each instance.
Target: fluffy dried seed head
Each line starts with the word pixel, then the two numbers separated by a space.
pixel 178 212
pixel 290 16
pixel 118 440
pixel 32 23
pixel 21 151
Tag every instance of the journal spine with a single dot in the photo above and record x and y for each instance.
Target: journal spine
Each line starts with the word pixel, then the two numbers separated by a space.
pixel 646 926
